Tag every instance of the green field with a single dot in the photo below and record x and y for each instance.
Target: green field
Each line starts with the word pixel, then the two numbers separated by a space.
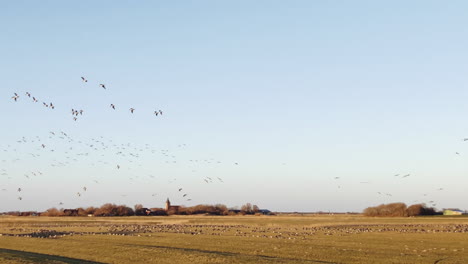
pixel 234 239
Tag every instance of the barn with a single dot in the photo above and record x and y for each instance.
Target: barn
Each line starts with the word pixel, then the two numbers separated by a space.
pixel 453 211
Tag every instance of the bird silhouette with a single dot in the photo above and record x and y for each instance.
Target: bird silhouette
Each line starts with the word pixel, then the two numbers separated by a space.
pixel 102 85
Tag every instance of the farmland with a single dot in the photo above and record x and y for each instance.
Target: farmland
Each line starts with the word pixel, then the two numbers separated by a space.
pixel 234 239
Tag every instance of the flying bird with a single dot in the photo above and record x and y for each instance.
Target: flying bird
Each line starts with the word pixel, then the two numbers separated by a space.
pixel 132 109
pixel 102 85
pixel 112 106
pixel 83 79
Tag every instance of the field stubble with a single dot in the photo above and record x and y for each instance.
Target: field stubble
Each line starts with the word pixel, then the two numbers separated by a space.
pixel 234 239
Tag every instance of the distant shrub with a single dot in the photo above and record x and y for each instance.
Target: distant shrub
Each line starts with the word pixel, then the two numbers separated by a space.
pixel 218 209
pixel 398 210
pixel 420 209
pixel 248 208
pixel 113 210
pixel 52 212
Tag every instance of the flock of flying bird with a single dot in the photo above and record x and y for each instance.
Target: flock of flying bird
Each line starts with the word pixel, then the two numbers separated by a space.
pixel 76 112
pixel 68 151
pixel 60 150
pixel 102 148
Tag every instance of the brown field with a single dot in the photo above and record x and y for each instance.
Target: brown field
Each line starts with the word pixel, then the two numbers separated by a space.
pixel 234 239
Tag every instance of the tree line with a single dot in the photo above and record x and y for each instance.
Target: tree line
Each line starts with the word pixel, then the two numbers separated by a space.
pixel 399 210
pixel 110 209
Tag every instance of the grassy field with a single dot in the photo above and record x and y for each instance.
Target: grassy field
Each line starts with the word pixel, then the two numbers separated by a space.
pixel 234 239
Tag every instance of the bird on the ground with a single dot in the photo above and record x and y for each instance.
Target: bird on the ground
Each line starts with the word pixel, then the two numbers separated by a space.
pixel 84 188
pixel 19 189
pixel 180 189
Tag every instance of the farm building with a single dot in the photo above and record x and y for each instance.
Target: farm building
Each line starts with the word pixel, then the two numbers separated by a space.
pixel 452 211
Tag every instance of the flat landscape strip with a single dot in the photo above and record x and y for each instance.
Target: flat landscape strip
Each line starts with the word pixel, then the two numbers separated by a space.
pixel 232 254
pixel 44 258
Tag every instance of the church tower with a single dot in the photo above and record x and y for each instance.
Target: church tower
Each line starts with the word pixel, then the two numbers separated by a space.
pixel 168 204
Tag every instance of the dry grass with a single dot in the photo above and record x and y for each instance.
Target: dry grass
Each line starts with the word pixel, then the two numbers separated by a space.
pixel 234 239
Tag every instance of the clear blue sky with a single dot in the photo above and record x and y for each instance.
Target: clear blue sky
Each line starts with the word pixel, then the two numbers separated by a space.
pixel 296 92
